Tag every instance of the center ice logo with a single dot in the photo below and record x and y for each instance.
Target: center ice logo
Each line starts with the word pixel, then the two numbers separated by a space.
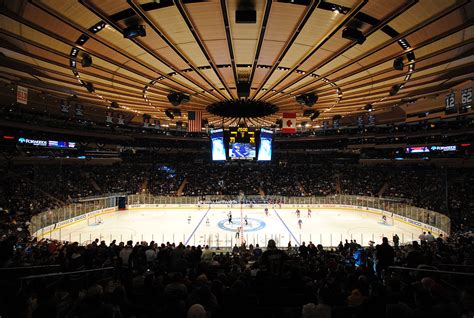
pixel 251 226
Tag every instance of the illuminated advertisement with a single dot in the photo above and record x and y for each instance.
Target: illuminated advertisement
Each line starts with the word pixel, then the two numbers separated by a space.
pixel 417 149
pixel 47 143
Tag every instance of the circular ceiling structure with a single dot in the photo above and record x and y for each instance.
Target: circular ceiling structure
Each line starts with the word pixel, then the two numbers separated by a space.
pixel 242 109
pixel 224 55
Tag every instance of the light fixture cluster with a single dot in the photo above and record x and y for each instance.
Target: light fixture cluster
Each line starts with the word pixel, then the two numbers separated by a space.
pixel 81 40
pixel 339 9
pixel 145 95
pixel 410 56
pixel 404 44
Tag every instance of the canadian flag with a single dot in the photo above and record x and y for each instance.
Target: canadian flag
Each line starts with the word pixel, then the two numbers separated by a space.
pixel 289 123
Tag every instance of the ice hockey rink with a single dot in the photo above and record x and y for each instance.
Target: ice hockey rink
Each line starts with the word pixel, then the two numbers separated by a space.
pixel 210 226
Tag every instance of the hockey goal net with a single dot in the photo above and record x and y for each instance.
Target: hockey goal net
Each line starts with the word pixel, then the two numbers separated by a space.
pixel 94 220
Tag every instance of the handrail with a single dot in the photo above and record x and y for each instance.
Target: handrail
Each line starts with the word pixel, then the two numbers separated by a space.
pixel 67 273
pixel 28 267
pixel 430 271
pixel 98 197
pixel 456 265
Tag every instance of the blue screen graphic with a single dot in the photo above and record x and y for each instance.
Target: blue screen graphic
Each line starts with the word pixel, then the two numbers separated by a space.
pixel 241 151
pixel 265 148
pixel 217 147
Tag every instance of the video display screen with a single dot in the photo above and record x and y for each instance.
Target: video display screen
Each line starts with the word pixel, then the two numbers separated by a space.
pixel 217 146
pixel 241 151
pixel 417 149
pixel 265 148
pixel 242 143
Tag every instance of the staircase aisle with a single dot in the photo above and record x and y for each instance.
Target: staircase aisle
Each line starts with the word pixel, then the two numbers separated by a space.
pixel 382 189
pixel 180 190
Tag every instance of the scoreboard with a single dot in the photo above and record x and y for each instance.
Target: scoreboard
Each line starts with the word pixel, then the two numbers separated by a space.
pixel 242 143
pixel 242 135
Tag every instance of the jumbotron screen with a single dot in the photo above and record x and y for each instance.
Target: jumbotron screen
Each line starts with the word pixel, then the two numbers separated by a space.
pixel 218 149
pixel 242 143
pixel 241 151
pixel 265 148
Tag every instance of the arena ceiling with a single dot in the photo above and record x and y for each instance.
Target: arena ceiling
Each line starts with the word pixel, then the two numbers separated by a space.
pixel 197 48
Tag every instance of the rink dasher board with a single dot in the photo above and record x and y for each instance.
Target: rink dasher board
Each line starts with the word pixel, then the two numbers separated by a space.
pixel 282 208
pixel 41 233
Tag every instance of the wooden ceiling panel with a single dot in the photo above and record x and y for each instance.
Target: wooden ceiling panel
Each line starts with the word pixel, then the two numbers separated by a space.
pixel 445 42
pixel 370 43
pixel 420 12
pixel 375 10
pixel 449 22
pixel 72 10
pixel 282 21
pixel 315 30
pixel 110 6
pixel 38 35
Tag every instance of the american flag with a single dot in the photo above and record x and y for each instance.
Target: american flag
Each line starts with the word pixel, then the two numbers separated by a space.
pixel 194 121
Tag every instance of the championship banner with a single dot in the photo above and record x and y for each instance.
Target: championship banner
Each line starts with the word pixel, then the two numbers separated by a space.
pixel 371 120
pixel 22 95
pixel 325 125
pixel 146 121
pixel 121 121
pixel 64 106
pixel 289 123
pixel 156 123
pixel 79 110
pixel 109 118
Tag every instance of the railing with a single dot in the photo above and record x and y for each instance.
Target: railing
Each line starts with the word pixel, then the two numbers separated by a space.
pixel 53 216
pixel 401 211
pixel 398 207
pixel 431 271
pixel 152 199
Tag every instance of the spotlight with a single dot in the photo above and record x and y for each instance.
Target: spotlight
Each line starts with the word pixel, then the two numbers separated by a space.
pixel 176 98
pixel 315 115
pixel 369 107
pixel 353 35
pixel 134 31
pixel 307 99
pixel 89 86
pixel 411 56
pixel 395 88
pixel 398 64
pixel 86 60
pixel 169 114
pixel 114 105
pixel 308 113
pixel 82 39
pixel 177 112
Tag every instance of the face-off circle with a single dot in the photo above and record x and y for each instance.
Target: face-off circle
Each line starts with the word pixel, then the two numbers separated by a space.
pixel 252 226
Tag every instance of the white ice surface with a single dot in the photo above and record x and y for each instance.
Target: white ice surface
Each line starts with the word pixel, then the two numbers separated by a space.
pixel 326 226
